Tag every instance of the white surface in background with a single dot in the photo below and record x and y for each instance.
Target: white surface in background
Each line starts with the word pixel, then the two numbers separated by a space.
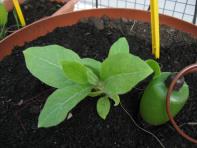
pixel 181 10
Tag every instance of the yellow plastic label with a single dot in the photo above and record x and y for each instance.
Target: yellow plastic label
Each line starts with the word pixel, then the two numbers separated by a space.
pixel 19 12
pixel 155 28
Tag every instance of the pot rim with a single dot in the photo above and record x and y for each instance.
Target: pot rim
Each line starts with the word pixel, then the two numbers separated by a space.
pixel 39 28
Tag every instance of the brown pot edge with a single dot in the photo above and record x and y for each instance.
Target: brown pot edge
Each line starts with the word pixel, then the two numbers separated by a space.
pixel 46 25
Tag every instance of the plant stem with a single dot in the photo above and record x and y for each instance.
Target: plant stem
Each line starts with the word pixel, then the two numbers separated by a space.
pixel 96 93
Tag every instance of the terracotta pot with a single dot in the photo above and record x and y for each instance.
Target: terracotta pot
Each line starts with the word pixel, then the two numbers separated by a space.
pixel 46 25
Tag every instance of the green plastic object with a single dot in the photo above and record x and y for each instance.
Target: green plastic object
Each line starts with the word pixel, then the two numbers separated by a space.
pixel 153 102
pixel 3 15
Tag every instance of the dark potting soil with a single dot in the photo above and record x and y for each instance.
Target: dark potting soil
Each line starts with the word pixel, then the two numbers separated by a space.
pixel 34 10
pixel 22 96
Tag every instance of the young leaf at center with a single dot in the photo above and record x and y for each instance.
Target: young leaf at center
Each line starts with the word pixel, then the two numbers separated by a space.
pixel 79 73
pixel 93 64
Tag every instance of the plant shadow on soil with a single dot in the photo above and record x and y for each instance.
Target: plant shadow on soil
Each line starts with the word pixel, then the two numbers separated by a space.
pixel 22 96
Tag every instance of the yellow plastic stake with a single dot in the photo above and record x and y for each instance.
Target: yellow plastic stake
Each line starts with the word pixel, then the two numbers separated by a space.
pixel 155 28
pixel 19 12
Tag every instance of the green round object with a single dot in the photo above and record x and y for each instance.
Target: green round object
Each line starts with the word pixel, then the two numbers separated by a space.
pixel 3 15
pixel 153 102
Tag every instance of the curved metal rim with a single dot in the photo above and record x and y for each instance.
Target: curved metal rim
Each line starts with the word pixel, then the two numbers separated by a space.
pixel 185 71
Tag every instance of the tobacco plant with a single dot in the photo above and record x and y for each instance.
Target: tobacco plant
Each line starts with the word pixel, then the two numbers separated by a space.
pixel 76 78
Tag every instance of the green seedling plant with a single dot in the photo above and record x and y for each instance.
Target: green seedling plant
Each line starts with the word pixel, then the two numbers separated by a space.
pixel 3 20
pixel 76 78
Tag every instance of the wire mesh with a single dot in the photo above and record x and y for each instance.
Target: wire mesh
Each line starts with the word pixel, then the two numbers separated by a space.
pixel 182 9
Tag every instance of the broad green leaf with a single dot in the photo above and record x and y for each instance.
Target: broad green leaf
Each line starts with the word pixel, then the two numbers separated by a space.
pixel 45 64
pixel 103 107
pixel 116 99
pixel 60 103
pixel 94 65
pixel 155 67
pixel 120 46
pixel 79 73
pixel 3 15
pixel 92 77
pixel 121 72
